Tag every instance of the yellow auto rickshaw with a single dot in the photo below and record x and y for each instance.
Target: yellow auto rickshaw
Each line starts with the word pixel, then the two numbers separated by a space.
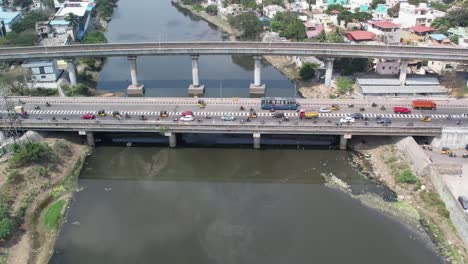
pixel 335 107
pixel 253 114
pixel 445 150
pixel 163 114
pixel 427 119
pixel 101 113
pixel 201 104
pixel 115 114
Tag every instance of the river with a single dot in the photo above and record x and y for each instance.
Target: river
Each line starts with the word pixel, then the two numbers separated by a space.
pixel 148 21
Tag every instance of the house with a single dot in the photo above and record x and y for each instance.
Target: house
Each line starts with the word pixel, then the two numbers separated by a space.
pixel 410 15
pixel 43 28
pixel 421 31
pixel 326 21
pixel 81 9
pixel 380 12
pixel 37 4
pixel 45 71
pixel 360 35
pixel 271 10
pixel 9 18
pixel 387 67
pixel 337 2
pixel 361 4
pixel 442 66
pixel 313 29
pixel 388 32
pixel 461 33
pixel 438 39
pixel 298 6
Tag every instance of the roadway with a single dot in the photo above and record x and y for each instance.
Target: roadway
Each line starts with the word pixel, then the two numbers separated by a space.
pixel 329 50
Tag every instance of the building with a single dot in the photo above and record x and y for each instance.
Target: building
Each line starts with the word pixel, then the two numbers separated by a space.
pixel 387 67
pixel 9 18
pixel 461 33
pixel 442 66
pixel 81 9
pixel 43 29
pixel 37 4
pixel 326 21
pixel 388 32
pixel 360 36
pixel 337 2
pixel 271 10
pixel 298 6
pixel 438 39
pixel 410 15
pixel 380 12
pixel 313 29
pixel 363 5
pixel 45 72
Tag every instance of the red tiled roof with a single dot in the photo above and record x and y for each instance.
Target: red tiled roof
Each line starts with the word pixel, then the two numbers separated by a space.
pixel 360 35
pixel 421 29
pixel 384 24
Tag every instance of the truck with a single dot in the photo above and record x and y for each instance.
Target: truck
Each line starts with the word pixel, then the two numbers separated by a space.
pixel 19 109
pixel 308 114
pixel 424 104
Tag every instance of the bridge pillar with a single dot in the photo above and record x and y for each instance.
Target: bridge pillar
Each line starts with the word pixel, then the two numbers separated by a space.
pixel 256 140
pixel 72 72
pixel 328 71
pixel 257 87
pixel 172 139
pixel 135 89
pixel 90 138
pixel 195 88
pixel 344 141
pixel 403 71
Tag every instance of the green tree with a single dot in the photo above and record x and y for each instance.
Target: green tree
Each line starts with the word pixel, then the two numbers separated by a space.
pixel 289 26
pixel 362 17
pixel 393 12
pixel 345 16
pixel 25 38
pixel 105 8
pixel 307 70
pixel 6 228
pixel 29 21
pixel 94 37
pixel 4 210
pixel 247 23
pixel 348 66
pixel 375 3
pixel 73 21
pixel 455 39
pixel 344 85
pixel 442 24
pixel 212 10
pixel 22 3
pixel 335 7
pixel 458 17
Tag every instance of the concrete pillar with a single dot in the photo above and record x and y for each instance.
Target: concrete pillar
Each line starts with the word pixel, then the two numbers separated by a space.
pixel 344 141
pixel 135 89
pixel 72 72
pixel 195 88
pixel 90 138
pixel 172 139
pixel 257 87
pixel 256 140
pixel 2 136
pixel 403 70
pixel 328 71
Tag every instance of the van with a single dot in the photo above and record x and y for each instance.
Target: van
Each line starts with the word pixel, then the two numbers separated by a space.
pixel 401 110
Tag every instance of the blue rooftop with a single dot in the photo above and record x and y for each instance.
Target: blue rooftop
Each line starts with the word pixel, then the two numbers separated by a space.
pixel 437 36
pixel 8 17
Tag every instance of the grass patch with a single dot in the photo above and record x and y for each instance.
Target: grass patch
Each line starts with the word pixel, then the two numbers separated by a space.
pixel 53 214
pixel 407 176
pixel 406 207
pixel 432 199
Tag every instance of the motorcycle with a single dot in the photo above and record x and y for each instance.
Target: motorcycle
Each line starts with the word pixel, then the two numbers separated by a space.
pixel 409 124
pixel 53 118
pixel 366 123
pixel 207 117
pixel 262 122
pixel 374 105
pixel 242 108
pixel 39 118
pixel 36 107
pixel 47 104
pixel 127 116
pixel 142 117
pixel 383 108
pixel 350 105
pixel 65 118
pixel 459 122
pixel 362 109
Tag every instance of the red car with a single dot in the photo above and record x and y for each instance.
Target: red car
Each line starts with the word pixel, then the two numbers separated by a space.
pixel 401 110
pixel 88 116
pixel 187 113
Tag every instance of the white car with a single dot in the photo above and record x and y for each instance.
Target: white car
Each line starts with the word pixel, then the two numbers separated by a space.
pixel 324 110
pixel 228 118
pixel 187 118
pixel 347 119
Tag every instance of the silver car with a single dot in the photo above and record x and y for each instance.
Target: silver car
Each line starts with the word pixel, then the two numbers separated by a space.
pixel 324 110
pixel 228 118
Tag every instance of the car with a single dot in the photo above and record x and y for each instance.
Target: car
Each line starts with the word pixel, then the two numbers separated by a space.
pixel 347 119
pixel 278 115
pixel 88 116
pixel 357 116
pixel 324 110
pixel 401 110
pixel 187 118
pixel 463 202
pixel 187 113
pixel 228 118
pixel 384 121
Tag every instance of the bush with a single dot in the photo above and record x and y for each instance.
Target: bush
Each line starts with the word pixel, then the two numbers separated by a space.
pixel 42 171
pixel 6 228
pixel 94 37
pixel 76 90
pixel 197 8
pixel 52 216
pixel 13 176
pixel 212 10
pixel 433 199
pixel 29 21
pixel 344 85
pixel 62 148
pixel 4 210
pixel 32 152
pixel 407 176
pixel 307 70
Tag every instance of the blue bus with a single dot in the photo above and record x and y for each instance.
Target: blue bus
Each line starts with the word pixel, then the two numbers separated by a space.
pixel 279 103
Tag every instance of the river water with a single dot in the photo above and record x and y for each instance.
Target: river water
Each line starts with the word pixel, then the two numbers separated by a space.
pixel 150 20
pixel 218 205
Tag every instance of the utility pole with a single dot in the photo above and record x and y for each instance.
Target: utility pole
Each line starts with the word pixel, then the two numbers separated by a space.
pixel 11 119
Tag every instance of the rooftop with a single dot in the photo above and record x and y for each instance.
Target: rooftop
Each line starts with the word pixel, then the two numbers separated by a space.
pixel 422 29
pixel 425 89
pixel 360 35
pixel 438 37
pixel 8 17
pixel 77 8
pixel 460 31
pixel 384 24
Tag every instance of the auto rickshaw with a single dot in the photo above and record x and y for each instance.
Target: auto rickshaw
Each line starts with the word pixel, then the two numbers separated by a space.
pixel 253 114
pixel 116 114
pixel 163 114
pixel 334 107
pixel 101 113
pixel 426 119
pixel 445 150
pixel 201 104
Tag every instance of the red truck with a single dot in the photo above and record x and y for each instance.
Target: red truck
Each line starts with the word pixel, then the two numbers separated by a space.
pixel 424 104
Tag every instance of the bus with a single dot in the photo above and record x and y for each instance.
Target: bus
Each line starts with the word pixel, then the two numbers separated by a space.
pixel 279 103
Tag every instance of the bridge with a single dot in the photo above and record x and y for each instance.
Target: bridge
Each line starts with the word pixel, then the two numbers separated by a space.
pixel 444 118
pixel 329 51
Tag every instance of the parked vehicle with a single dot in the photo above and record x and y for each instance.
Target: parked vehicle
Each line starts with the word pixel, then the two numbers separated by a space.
pixel 463 201
pixel 88 116
pixel 187 118
pixel 253 114
pixel 308 114
pixel 357 116
pixel 401 110
pixel 324 109
pixel 347 120
pixel 424 104
pixel 228 118
pixel 279 103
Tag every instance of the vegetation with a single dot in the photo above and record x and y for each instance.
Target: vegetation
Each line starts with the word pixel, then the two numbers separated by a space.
pixel 289 26
pixel 76 90
pixel 344 85
pixel 32 152
pixel 7 227
pixel 22 3
pixel 432 198
pixel 248 24
pixel 22 90
pixel 62 149
pixel 25 38
pixel 94 37
pixel 348 66
pixel 105 8
pixel 333 37
pixel 29 21
pixel 53 214
pixel 375 3
pixel 13 176
pixel 307 70
pixel 407 176
pixel 212 10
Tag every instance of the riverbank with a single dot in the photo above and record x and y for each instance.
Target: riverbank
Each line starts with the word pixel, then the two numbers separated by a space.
pixel 419 204
pixel 37 194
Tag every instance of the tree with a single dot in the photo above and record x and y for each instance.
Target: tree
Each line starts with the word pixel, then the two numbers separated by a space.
pixel 73 21
pixel 393 12
pixel 362 17
pixel 307 70
pixel 458 17
pixel 344 85
pixel 442 24
pixel 345 16
pixel 6 228
pixel 248 23
pixel 22 3
pixel 25 38
pixel 348 66
pixel 94 37
pixel 212 10
pixel 29 21
pixel 375 3
pixel 289 26
pixel 336 7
